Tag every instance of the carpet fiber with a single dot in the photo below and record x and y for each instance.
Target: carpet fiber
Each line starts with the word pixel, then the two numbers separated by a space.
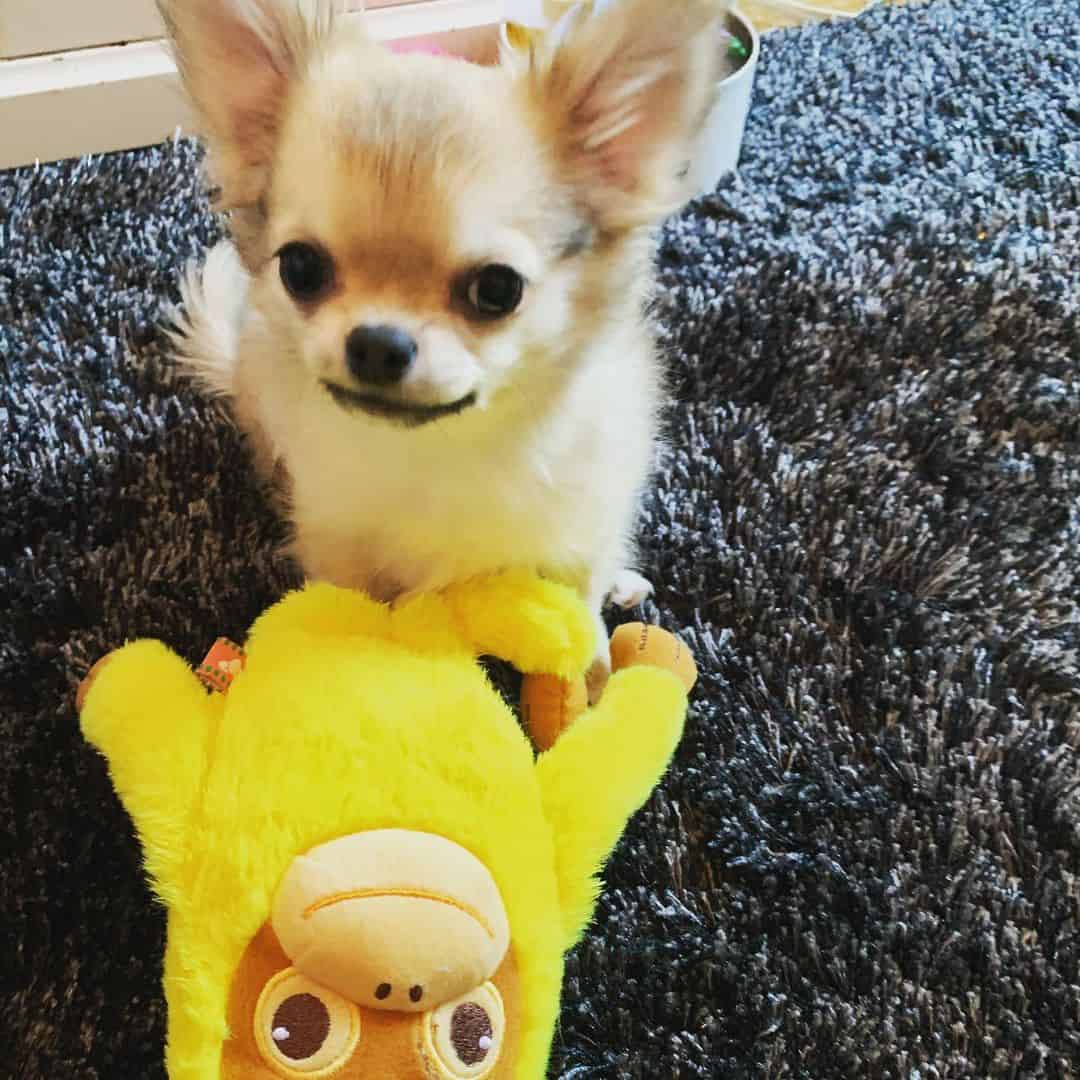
pixel 866 859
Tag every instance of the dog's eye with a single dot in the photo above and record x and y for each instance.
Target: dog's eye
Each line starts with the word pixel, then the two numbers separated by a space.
pixel 305 270
pixel 495 290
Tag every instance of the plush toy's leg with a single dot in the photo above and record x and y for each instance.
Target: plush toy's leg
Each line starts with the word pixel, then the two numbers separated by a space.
pixel 536 625
pixel 601 771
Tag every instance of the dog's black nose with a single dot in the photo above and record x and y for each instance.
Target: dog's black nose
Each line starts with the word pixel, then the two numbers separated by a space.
pixel 379 355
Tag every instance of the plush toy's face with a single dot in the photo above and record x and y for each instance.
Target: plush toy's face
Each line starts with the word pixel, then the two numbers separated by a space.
pixel 286 1025
pixel 387 954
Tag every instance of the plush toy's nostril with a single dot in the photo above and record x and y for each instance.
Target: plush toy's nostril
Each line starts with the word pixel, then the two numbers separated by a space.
pixel 383 991
pixel 415 994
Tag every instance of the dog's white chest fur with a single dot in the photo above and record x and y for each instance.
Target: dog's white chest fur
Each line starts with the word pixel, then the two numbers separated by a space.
pixel 393 509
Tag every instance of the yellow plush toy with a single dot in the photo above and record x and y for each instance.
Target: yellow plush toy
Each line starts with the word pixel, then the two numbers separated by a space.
pixel 367 871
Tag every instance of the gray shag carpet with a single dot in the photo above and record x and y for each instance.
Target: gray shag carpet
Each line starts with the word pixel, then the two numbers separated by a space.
pixel 865 861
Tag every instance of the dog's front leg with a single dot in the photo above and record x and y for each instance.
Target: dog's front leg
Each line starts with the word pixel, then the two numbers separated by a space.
pixel 622 587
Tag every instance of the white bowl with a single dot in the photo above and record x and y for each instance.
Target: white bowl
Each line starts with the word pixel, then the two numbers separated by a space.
pixel 720 143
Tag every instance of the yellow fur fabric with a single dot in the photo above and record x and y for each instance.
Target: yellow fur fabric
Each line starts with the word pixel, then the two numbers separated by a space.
pixel 353 716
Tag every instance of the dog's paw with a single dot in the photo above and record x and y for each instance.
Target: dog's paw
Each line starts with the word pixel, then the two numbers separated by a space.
pixel 630 589
pixel 596 678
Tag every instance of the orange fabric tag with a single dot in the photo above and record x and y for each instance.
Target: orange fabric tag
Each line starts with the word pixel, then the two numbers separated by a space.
pixel 222 664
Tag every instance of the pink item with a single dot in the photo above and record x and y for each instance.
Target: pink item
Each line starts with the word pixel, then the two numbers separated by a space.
pixel 416 45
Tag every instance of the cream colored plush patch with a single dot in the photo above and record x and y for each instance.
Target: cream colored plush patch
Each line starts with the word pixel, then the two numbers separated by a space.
pixel 392 919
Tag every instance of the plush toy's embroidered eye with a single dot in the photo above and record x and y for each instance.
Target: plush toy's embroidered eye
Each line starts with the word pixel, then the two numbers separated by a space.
pixel 306 271
pixel 494 291
pixel 302 1029
pixel 464 1038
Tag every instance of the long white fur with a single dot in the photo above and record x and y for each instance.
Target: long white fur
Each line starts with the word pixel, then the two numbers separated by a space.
pixel 546 470
pixel 206 326
pixel 398 510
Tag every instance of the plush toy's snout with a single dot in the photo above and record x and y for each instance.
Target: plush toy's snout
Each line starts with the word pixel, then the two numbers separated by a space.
pixel 392 919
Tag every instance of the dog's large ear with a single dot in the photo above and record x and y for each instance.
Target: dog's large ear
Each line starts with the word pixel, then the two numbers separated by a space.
pixel 238 60
pixel 622 88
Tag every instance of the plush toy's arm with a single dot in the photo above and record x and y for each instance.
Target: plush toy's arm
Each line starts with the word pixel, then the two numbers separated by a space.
pixel 149 715
pixel 600 772
pixel 536 625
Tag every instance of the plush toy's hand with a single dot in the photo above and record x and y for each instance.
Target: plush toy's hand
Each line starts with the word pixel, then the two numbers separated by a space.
pixel 636 644
pixel 145 710
pixel 88 681
pixel 550 705
pixel 535 625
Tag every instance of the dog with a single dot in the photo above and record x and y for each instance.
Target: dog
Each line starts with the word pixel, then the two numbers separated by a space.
pixel 429 318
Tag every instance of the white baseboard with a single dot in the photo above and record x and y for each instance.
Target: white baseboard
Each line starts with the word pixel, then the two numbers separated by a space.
pixel 117 97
